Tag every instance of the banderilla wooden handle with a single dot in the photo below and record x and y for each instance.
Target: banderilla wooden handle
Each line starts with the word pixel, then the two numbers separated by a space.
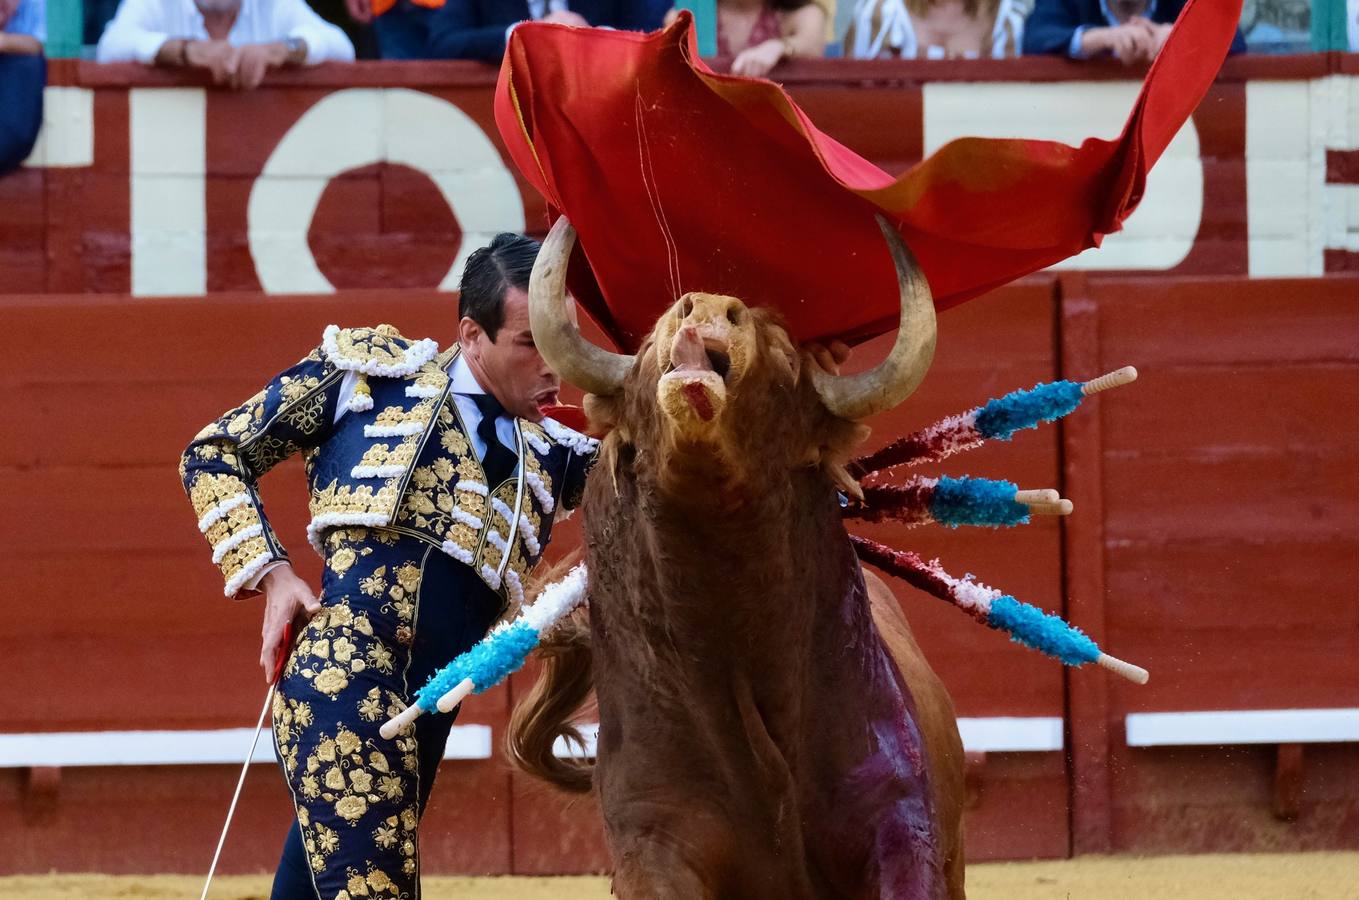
pixel 1046 502
pixel 450 700
pixel 397 723
pixel 1062 507
pixel 1135 674
pixel 1116 378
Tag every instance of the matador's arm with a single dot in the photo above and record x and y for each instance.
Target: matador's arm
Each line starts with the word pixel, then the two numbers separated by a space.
pixel 220 469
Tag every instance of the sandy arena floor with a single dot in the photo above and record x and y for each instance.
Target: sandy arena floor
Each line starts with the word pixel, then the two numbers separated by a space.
pixel 1311 876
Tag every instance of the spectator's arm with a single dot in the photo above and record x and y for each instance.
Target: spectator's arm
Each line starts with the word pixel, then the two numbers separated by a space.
pixel 26 31
pixel 455 32
pixel 805 30
pixel 828 6
pixel 1053 27
pixel 19 44
pixel 325 42
pixel 134 34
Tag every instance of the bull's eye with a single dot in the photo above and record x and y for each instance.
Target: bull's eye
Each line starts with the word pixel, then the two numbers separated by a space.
pixel 686 307
pixel 734 315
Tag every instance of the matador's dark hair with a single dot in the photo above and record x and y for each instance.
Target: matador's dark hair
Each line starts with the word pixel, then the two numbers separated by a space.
pixel 491 271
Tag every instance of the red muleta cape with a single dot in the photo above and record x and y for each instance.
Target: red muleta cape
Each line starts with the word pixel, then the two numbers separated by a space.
pixel 677 179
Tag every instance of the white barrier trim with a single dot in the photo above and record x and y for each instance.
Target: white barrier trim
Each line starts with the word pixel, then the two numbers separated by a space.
pixel 1255 726
pixel 178 748
pixel 1012 734
pixel 997 734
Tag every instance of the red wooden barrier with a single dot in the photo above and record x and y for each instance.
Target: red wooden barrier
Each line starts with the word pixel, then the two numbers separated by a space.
pixel 116 620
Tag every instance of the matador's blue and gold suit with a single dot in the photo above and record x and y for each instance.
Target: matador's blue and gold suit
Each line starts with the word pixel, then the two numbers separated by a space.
pixel 422 555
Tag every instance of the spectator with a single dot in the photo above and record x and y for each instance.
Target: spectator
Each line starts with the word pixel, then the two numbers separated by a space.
pixel 758 34
pixel 478 29
pixel 237 41
pixel 400 26
pixel 1130 30
pixel 935 29
pixel 23 72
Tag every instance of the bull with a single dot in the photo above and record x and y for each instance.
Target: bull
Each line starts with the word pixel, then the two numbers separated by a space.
pixel 768 727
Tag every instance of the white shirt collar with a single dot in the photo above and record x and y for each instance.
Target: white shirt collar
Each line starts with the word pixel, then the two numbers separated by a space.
pixel 463 381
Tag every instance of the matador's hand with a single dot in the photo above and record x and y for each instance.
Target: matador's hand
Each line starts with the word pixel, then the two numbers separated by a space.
pixel 287 599
pixel 829 356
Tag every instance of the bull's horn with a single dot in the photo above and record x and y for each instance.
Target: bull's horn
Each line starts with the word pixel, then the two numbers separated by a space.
pixel 891 381
pixel 576 360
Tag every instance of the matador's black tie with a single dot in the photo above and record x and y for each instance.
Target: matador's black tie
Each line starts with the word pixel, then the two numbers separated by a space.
pixel 499 461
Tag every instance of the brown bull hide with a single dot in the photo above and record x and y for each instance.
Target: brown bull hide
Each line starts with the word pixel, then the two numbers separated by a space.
pixel 768 727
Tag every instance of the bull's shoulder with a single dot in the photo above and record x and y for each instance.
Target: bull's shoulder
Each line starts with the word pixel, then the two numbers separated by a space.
pixel 382 351
pixel 573 440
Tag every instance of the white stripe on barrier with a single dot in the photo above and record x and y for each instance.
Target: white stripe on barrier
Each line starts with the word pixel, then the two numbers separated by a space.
pixel 998 734
pixel 178 748
pixel 1254 726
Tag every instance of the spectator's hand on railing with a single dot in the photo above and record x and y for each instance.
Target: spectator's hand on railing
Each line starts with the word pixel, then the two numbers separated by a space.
pixel 217 57
pixel 254 61
pixel 360 11
pixel 1133 41
pixel 1160 31
pixel 755 62
pixel 19 44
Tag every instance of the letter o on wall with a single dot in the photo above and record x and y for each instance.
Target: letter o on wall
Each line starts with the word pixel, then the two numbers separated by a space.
pixel 353 128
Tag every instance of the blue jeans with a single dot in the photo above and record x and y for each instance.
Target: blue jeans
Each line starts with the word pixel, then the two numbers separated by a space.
pixel 22 79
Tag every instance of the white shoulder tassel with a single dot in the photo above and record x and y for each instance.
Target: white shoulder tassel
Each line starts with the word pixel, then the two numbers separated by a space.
pixel 362 398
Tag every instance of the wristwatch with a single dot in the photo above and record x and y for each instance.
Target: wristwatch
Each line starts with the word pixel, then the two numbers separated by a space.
pixel 297 50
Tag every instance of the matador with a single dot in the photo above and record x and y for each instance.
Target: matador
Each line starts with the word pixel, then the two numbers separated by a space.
pixel 435 478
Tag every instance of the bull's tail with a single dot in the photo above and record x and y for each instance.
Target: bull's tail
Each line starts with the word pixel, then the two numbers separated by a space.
pixel 566 681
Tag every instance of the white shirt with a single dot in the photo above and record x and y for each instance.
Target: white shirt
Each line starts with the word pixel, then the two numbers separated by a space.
pixel 142 26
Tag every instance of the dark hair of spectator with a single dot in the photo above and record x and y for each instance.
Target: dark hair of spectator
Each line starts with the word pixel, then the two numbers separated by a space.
pixel 490 272
pixel 787 5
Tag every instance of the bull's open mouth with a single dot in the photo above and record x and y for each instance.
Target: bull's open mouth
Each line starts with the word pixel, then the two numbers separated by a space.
pixel 691 354
pixel 719 361
pixel 696 378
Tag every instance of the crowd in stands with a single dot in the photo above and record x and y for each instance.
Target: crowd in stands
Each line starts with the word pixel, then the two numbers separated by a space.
pixel 239 41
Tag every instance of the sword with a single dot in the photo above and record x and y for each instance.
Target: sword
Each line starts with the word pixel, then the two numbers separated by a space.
pixel 284 646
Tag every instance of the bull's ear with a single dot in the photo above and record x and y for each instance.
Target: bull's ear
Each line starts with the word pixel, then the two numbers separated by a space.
pixel 603 412
pixel 784 353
